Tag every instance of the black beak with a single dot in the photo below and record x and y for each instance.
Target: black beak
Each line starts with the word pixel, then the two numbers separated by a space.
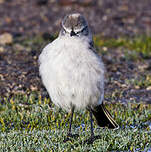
pixel 72 33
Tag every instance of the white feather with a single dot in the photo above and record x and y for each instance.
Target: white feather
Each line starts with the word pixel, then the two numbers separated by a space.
pixel 72 73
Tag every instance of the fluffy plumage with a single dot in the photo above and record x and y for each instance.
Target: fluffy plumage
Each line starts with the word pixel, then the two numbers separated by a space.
pixel 71 71
pixel 72 74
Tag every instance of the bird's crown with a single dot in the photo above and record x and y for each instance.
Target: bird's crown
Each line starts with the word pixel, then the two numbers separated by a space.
pixel 74 22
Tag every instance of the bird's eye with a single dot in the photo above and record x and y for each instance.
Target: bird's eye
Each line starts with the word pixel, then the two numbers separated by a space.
pixel 78 32
pixel 83 30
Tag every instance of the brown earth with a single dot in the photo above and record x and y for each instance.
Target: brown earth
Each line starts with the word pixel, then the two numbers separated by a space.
pixel 108 17
pixel 26 19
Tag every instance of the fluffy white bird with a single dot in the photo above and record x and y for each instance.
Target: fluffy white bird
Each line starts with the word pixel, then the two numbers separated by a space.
pixel 73 73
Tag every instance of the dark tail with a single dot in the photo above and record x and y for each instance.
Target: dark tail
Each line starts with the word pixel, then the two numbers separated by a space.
pixel 103 117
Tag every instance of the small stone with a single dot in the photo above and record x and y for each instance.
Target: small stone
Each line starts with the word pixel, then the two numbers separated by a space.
pixel 123 85
pixel 33 88
pixel 8 20
pixel 1 1
pixel 18 47
pixel 137 87
pixel 142 67
pixel 6 38
pixel 2 49
pixel 104 18
pixel 147 21
pixel 28 49
pixel 129 20
pixel 108 59
pixel 2 77
pixel 148 88
pixel 104 48
pixel 123 8
pixel 35 57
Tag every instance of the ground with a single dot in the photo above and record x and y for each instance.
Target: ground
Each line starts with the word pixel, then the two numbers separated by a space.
pixel 110 18
pixel 125 52
pixel 27 123
pixel 127 62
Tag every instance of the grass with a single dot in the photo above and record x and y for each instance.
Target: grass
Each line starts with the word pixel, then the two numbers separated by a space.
pixel 28 124
pixel 141 82
pixel 135 47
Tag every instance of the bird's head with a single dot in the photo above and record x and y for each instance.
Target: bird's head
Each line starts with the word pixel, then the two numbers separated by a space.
pixel 74 25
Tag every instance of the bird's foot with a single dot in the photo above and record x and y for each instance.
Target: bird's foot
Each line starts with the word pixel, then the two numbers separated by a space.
pixel 70 137
pixel 91 139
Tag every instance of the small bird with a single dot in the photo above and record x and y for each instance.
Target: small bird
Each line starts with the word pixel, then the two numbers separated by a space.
pixel 73 73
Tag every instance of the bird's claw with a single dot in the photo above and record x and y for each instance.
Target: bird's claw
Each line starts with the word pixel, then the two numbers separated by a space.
pixel 70 137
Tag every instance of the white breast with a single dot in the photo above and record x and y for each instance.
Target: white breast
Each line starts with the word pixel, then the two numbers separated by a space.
pixel 72 73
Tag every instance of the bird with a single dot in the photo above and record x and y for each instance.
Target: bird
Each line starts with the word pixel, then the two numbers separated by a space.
pixel 73 73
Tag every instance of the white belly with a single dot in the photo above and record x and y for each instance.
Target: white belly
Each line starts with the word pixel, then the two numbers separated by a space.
pixel 72 74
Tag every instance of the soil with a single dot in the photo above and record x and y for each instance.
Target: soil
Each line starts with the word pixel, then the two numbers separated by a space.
pixel 23 19
pixel 106 17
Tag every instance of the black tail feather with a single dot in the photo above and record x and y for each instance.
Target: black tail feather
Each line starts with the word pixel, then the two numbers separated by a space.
pixel 103 117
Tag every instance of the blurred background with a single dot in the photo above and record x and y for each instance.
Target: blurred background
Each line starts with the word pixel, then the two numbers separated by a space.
pixel 121 34
pixel 107 17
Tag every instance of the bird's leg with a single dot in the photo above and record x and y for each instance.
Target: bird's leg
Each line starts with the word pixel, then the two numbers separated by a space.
pixel 69 132
pixel 91 119
pixel 92 138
